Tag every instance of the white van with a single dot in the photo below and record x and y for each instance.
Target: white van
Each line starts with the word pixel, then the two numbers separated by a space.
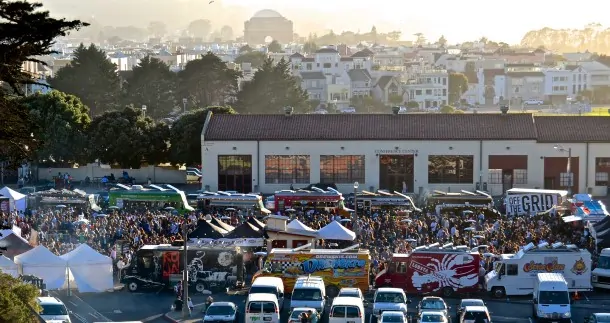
pixel 552 298
pixel 262 308
pixel 346 310
pixel 309 291
pixel 269 285
pixel 389 299
pixel 53 309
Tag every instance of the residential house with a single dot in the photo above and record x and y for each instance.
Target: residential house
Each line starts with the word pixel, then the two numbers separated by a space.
pixel 389 61
pixel 315 85
pixel 387 87
pixel 429 87
pixel 557 85
pixel 490 90
pixel 360 82
pixel 520 56
pixel 523 82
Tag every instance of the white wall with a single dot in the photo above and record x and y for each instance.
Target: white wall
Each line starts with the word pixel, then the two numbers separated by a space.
pixel 533 150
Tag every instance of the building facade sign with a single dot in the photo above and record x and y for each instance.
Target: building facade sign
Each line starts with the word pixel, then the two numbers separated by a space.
pixel 396 152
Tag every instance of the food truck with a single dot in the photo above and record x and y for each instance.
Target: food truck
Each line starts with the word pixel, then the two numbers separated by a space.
pixel 315 198
pixel 440 200
pixel 515 274
pixel 231 200
pixel 153 196
pixel 339 268
pixel 210 266
pixel 435 268
pixel 527 201
pixel 383 200
pixel 601 274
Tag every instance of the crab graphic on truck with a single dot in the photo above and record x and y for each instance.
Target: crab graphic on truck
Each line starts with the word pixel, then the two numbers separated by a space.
pixel 433 269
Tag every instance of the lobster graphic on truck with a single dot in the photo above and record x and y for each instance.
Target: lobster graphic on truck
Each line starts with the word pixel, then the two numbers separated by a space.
pixel 433 269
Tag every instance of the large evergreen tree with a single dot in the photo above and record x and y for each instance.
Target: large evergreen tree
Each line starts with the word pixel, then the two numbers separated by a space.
pixel 271 89
pixel 91 77
pixel 208 81
pixel 26 32
pixel 152 84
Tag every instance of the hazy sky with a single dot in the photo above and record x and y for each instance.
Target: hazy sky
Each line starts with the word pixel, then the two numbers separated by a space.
pixel 459 21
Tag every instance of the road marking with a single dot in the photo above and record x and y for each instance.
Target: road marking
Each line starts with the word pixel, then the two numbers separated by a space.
pixel 94 315
pixel 151 318
pixel 118 312
pixel 72 303
pixel 80 318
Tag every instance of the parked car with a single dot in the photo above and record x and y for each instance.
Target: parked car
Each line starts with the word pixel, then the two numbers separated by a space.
pixel 432 317
pixel 294 316
pixel 221 312
pixel 192 176
pixel 433 304
pixel 351 292
pixel 472 314
pixel 533 102
pixel 598 318
pixel 469 302
pixel 393 317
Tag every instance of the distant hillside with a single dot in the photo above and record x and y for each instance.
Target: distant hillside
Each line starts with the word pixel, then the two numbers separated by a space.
pixel 592 38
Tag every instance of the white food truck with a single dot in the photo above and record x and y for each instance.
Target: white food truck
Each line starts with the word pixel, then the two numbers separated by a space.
pixel 527 201
pixel 515 274
pixel 601 274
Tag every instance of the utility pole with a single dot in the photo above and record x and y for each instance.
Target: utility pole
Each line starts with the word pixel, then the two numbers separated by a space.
pixel 186 312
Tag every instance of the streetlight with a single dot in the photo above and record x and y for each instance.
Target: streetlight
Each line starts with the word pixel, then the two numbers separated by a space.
pixel 569 167
pixel 144 110
pixel 184 104
pixel 355 219
pixel 185 274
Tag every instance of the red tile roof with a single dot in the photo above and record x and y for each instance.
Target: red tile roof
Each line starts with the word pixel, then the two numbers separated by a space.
pixel 371 127
pixel 573 129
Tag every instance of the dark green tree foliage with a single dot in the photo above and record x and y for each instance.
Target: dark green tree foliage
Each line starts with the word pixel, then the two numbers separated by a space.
pixel 91 77
pixel 458 85
pixel 271 89
pixel 25 32
pixel 199 28
pixel 255 58
pixel 127 138
pixel 59 124
pixel 185 139
pixel 207 81
pixel 152 84
pixel 16 299
pixel 275 47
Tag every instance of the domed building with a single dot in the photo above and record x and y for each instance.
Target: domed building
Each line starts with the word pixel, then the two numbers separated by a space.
pixel 268 23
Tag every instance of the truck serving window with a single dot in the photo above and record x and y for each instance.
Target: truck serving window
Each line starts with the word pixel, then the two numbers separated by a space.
pixel 512 269
pixel 552 298
pixel 401 267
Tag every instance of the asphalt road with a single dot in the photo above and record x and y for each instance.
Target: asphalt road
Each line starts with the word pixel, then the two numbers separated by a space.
pixel 150 306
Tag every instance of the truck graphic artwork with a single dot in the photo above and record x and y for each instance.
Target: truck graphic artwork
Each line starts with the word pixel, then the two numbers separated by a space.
pixel 454 271
pixel 310 266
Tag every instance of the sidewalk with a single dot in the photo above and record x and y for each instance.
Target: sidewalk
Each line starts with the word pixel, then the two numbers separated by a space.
pixel 196 315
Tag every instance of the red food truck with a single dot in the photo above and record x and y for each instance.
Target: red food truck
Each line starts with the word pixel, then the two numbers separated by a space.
pixel 433 269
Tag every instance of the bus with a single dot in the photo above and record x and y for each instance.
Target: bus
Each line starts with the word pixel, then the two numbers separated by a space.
pixel 222 199
pixel 153 196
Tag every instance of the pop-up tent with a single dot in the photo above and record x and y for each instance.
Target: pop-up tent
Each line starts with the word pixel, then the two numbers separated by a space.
pixel 335 231
pixel 91 270
pixel 17 200
pixel 42 263
pixel 206 230
pixel 298 226
pixel 7 266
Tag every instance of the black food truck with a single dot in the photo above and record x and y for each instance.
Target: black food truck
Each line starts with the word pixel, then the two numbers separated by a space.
pixel 210 267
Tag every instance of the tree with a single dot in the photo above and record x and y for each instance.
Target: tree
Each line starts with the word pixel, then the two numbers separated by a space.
pixel 448 109
pixel 471 72
pixel 442 41
pixel 458 85
pixel 310 47
pixel 16 299
pixel 275 47
pixel 271 89
pixel 245 49
pixel 207 81
pixel 157 28
pixel 420 40
pixel 91 77
pixel 394 35
pixel 185 135
pixel 59 124
pixel 199 28
pixel 127 138
pixel 226 33
pixel 26 32
pixel 413 105
pixel 255 58
pixel 152 84
pixel 396 99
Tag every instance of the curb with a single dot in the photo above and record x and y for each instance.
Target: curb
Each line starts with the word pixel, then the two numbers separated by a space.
pixel 167 317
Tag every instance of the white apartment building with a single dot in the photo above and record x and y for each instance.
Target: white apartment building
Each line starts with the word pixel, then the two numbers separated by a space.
pixel 427 86
pixel 558 85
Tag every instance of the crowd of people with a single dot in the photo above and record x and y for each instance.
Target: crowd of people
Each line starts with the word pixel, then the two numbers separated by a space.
pixel 383 232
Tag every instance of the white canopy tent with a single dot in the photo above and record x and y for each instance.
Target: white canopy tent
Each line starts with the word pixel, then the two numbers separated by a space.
pixel 91 271
pixel 17 200
pixel 43 264
pixel 296 225
pixel 335 231
pixel 7 266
